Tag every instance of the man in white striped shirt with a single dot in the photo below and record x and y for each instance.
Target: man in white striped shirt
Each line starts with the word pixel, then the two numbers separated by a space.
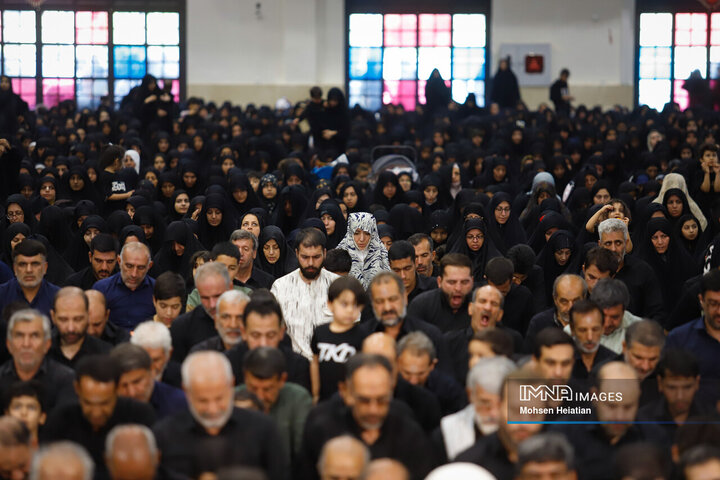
pixel 302 293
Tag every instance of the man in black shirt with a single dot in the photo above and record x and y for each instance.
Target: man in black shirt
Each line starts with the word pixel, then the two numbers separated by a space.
pixel 424 253
pixel 560 95
pixel 446 306
pixel 247 275
pixel 213 433
pixel 402 261
pixel 642 348
pixel 98 325
pixel 518 304
pixel 367 415
pixel 103 263
pixel 228 322
pixel 70 316
pixel 586 327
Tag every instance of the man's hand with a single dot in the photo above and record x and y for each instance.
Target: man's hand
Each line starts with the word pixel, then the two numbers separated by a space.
pixel 328 134
pixel 4 146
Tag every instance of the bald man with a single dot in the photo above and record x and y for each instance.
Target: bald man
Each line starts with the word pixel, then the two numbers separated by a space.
pixel 131 453
pixel 187 438
pixel 98 325
pixel 387 469
pixel 343 457
pixel 62 461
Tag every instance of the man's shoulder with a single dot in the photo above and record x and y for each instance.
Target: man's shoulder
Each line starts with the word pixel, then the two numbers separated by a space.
pixel 427 283
pixel 58 370
pixel 426 297
pixel 106 283
pixel 415 323
pixel 286 279
pixel 543 317
pixel 295 394
pixel 686 330
pixel 96 345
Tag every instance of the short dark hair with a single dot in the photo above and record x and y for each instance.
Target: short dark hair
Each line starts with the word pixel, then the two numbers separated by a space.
pixel 501 343
pixel 263 306
pixel 565 71
pixel 400 250
pixel 366 360
pixel 310 237
pixel 337 260
pixel 546 447
pixel 454 260
pixel 706 147
pixel 29 248
pixel 244 394
pixel 709 282
pixel 352 284
pixel 129 357
pixel 264 362
pixel 523 258
pixel 699 455
pixel 109 155
pixel 100 368
pixel 549 337
pixel 31 388
pixel 204 254
pixel 609 292
pixel 603 259
pixel 225 248
pixel 678 362
pixel 316 92
pixel 416 238
pixel 103 243
pixel 584 306
pixel 499 270
pixel 169 285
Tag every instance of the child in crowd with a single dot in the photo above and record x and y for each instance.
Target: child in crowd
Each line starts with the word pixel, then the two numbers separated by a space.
pixel 23 401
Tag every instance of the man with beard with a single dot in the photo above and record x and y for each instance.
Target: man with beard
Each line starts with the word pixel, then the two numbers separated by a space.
pixel 103 261
pixel 228 322
pixel 71 341
pixel 586 326
pixel 29 285
pixel 213 433
pixel 643 345
pixel 302 293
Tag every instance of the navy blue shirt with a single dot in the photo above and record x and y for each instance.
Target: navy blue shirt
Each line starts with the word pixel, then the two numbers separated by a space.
pixel 693 337
pixel 127 307
pixel 166 400
pixel 43 301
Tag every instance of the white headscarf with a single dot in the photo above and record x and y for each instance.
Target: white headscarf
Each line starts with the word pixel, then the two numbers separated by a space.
pixel 369 262
pixel 136 158
pixel 675 180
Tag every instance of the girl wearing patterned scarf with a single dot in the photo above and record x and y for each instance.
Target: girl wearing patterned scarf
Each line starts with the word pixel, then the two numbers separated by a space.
pixel 268 192
pixel 362 242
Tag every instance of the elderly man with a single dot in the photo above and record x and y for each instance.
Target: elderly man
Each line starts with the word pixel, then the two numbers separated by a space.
pixel 211 280
pixel 15 448
pixel 636 274
pixel 129 292
pixel 229 255
pixel 642 348
pixel 66 460
pixel 29 285
pixel 343 457
pixel 547 455
pixel 387 469
pixel 98 325
pixel 247 275
pixel 28 341
pixel 229 315
pixel 189 439
pixel 131 453
pixel 155 338
pixel 302 293
pixel 71 341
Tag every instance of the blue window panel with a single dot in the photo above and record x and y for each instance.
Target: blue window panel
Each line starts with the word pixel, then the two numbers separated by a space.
pixel 367 94
pixel 89 92
pixel 129 62
pixel 469 63
pixel 365 63
pixel 123 87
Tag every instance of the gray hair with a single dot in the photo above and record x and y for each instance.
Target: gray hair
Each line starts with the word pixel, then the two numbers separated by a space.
pixel 241 234
pixel 233 296
pixel 489 374
pixel 344 444
pixel 609 292
pixel 546 447
pixel 131 428
pixel 210 269
pixel 564 276
pixel 646 332
pixel 385 276
pixel 189 366
pixel 612 225
pixel 136 247
pixel 63 450
pixel 27 315
pixel 497 290
pixel 417 343
pixel 152 334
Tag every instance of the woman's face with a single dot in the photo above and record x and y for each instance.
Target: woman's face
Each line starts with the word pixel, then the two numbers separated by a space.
pixel 344 210
pixel 499 172
pixel 549 232
pixel 405 182
pixel 329 223
pixel 362 239
pixel 89 234
pixel 27 191
pixel 294 180
pixel 516 137
pixel 16 239
pixel 128 162
pixel 350 197
pixel 559 170
pixel 455 174
pixel 542 196
pixel 562 256
pixel 227 165
pixel 182 203
pixel 439 235
pixel 178 248
pixel 269 191
pixel 502 212
pixel 163 145
pixel 674 206
pixel 271 250
pixel 214 216
pixel 690 230
pixel 189 179
pixel 240 195
pixel 389 190
pixel 475 239
pixel 431 194
pixel 660 241
pixel 167 189
pixel 601 197
pixel 321 199
pixel 148 230
pixel 76 182
pixel 159 163
pixel 590 181
pixel 437 163
pixel 152 178
pixel 47 191
pixel 251 224
pixel 130 210
pixel 387 241
pixel 4 83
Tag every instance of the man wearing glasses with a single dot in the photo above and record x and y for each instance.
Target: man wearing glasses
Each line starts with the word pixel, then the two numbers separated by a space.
pixel 29 285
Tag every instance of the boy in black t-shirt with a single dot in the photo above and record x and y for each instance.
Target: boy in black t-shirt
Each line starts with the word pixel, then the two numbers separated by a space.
pixel 335 342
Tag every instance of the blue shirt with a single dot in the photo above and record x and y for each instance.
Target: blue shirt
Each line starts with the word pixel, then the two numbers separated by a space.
pixel 167 400
pixel 43 301
pixel 127 307
pixel 693 338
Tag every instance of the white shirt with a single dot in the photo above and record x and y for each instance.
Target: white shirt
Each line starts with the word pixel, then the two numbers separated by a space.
pixel 304 306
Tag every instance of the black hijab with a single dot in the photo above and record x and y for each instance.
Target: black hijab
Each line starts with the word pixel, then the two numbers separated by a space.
pixel 546 259
pixel 479 258
pixel 53 225
pixel 286 262
pixel 167 260
pixel 509 234
pixel 331 207
pixel 286 220
pixel 210 235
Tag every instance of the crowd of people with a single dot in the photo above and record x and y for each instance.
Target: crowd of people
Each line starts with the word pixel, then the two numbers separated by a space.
pixel 209 291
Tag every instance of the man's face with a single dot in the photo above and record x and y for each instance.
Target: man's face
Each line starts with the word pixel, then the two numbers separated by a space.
pixel 262 330
pixel 710 303
pixel 424 258
pixel 592 275
pixel 642 358
pixel 134 265
pixel 415 369
pixel 310 260
pixel 136 384
pixel 586 329
pixel 709 470
pixel 612 318
pixel 389 304
pixel 28 410
pixel 230 262
pixel 210 400
pixel 456 283
pixel 405 269
pixel 485 310
pixel 266 389
pixel 228 321
pixel 247 254
pixel 678 391
pixel 368 394
pixel 615 242
pixel 550 470
pixel 103 263
pixel 487 409
pixel 556 362
pixel 27 344
pixel 167 309
pixel 70 318
pixel 159 358
pixel 620 414
pixel 97 400
pixel 210 288
pixel 568 292
pixel 15 462
pixel 30 271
